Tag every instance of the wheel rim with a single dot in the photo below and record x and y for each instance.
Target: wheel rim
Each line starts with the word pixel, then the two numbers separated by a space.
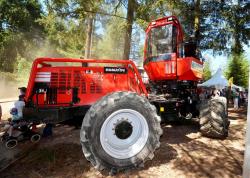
pixel 35 138
pixel 11 143
pixel 124 133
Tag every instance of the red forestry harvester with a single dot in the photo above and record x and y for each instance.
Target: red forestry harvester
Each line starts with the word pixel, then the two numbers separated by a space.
pixel 121 125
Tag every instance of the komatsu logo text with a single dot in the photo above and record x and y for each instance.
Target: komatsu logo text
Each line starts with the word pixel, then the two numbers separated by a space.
pixel 117 70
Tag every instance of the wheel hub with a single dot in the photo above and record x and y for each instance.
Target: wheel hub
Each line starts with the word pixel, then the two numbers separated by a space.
pixel 123 130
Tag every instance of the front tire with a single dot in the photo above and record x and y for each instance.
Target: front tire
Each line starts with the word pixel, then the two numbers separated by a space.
pixel 120 131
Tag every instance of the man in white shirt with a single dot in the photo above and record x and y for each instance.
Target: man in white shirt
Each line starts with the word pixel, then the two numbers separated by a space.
pixel 19 105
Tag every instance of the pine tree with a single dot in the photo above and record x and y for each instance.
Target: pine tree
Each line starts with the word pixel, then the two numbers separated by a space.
pixel 238 68
pixel 112 43
pixel 206 70
pixel 225 27
pixel 19 30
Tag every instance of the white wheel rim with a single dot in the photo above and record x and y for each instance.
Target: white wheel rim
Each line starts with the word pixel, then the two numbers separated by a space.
pixel 129 147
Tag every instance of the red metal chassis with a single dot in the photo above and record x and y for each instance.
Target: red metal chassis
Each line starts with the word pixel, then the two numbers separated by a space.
pixel 91 82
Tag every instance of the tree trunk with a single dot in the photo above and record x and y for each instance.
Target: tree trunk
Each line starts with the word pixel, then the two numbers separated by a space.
pixel 236 45
pixel 197 16
pixel 237 48
pixel 128 32
pixel 89 37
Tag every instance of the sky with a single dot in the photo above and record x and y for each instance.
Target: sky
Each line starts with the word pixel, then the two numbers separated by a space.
pixel 220 61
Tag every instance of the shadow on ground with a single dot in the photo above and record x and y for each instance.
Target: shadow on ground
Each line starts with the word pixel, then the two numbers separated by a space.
pixel 183 153
pixel 176 133
pixel 204 160
pixel 61 160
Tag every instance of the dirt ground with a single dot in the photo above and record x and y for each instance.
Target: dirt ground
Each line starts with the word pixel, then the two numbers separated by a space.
pixel 183 153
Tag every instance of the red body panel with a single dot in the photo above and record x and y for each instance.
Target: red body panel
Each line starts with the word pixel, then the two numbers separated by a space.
pixel 166 70
pixel 92 82
pixel 188 71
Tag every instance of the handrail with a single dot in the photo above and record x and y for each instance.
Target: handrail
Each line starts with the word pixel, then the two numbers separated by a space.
pixel 42 61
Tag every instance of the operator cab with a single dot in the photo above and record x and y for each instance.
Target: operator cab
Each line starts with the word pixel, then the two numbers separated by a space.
pixel 166 56
pixel 161 43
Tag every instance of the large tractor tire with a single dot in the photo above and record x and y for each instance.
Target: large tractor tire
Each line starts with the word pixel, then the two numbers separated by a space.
pixel 213 118
pixel 120 131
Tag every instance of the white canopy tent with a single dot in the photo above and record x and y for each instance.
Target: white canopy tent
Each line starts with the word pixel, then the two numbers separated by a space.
pixel 217 81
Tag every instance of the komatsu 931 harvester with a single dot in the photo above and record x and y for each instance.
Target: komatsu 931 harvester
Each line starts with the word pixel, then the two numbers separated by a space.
pixel 120 114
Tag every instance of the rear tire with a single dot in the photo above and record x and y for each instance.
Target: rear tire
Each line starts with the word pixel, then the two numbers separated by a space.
pixel 213 118
pixel 120 131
